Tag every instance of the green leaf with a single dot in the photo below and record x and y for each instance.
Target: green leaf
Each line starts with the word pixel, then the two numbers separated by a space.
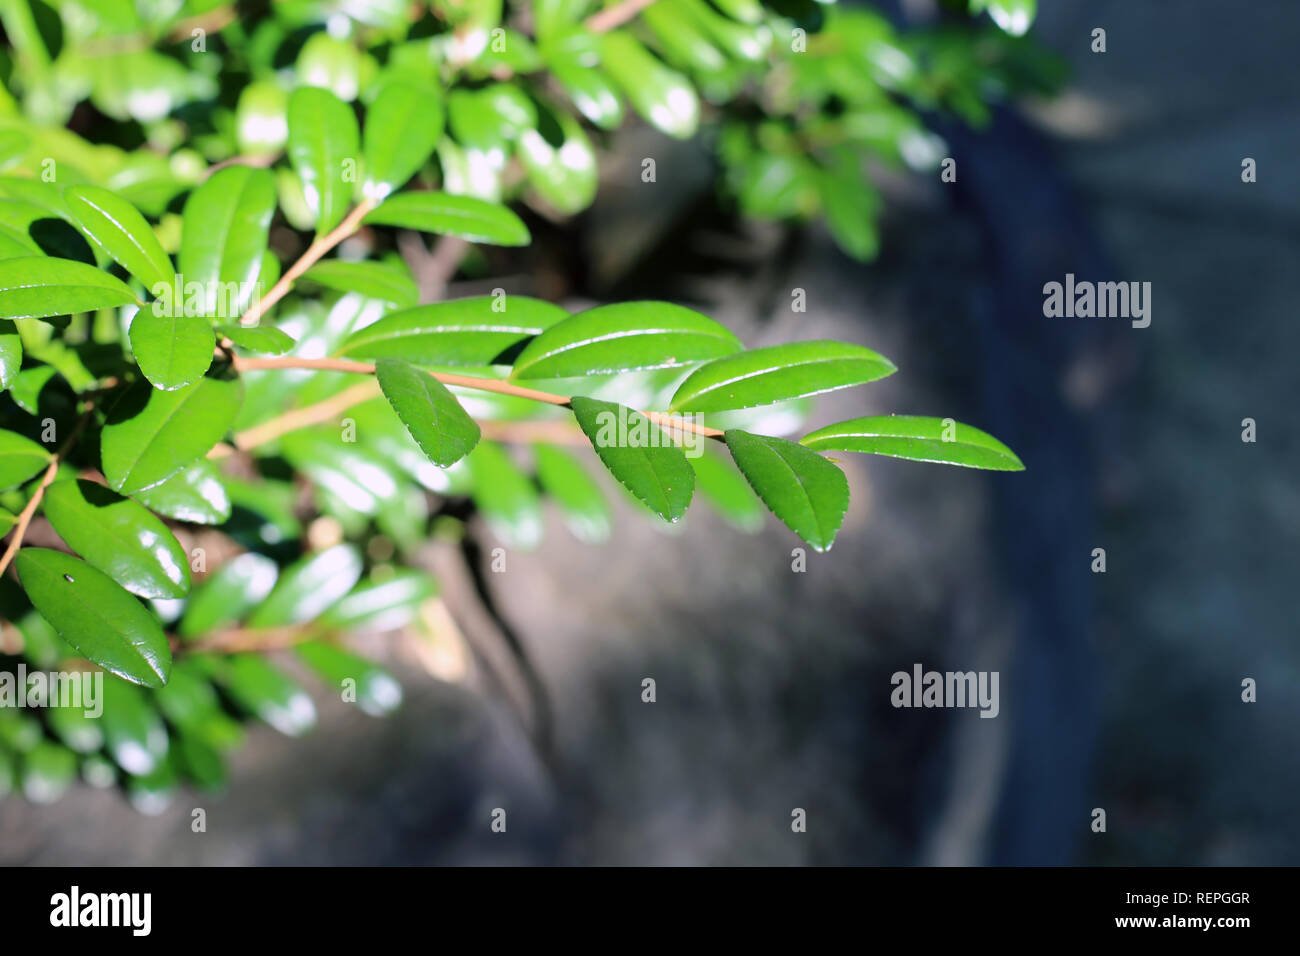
pixel 462 332
pixel 664 97
pixel 777 374
pixel 228 594
pixel 1012 16
pixel 133 731
pixel 119 537
pixel 624 337
pixel 639 455
pixel 354 475
pixel 505 497
pixel 39 287
pixel 72 725
pixel 323 138
pixel 724 488
pixel 802 488
pixel 194 494
pixel 264 339
pixel 444 214
pixel 403 125
pixel 172 350
pixel 562 168
pixel 117 227
pixel 47 770
pixel 20 458
pixel 7 520
pixel 375 280
pixel 151 435
pixel 309 587
pixel 591 92
pixel 11 353
pixel 917 438
pixel 382 604
pixel 267 692
pixel 442 429
pixel 96 616
pixel 225 225
pixel 377 692
pixel 586 513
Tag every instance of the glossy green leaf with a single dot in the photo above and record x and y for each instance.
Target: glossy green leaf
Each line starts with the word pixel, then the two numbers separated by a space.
pixel 151 435
pixel 562 169
pixel 442 429
pixel 323 141
pixel 1012 16
pixel 269 693
pixel 173 351
pixel 917 438
pixel 481 330
pixel 46 772
pixel 624 337
pixel 726 489
pixel 375 280
pixel 586 513
pixel 348 471
pixel 309 587
pixel 382 604
pixel 225 226
pixel 777 374
pixel 263 339
pixel 403 125
pixel 201 762
pixel 232 591
pixel 261 121
pixel 360 681
pixel 20 458
pixel 11 353
pixel 194 494
pixel 95 615
pixel 119 537
pixel 117 227
pixel 664 97
pixel 639 454
pixel 505 497
pixel 803 489
pixel 39 287
pixel 444 214
pixel 134 733
pixel 592 92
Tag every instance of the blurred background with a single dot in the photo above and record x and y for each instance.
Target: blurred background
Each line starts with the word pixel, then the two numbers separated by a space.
pixel 1119 691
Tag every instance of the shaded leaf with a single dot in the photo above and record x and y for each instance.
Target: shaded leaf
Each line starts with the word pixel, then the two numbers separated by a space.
pixel 20 458
pixel 586 513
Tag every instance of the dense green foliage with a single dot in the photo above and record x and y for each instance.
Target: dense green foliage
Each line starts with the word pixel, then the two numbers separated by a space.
pixel 207 333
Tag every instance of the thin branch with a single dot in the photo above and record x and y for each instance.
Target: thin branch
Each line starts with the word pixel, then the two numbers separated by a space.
pixel 615 16
pixel 318 248
pixel 29 511
pixel 242 363
pixel 322 411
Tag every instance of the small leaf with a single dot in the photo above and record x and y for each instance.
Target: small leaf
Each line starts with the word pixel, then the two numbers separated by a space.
pixel 11 353
pixel 309 587
pixel 444 214
pixel 917 438
pixel 591 92
pixel 119 537
pixel 640 455
pixel 194 494
pixel 228 594
pixel 39 287
pixel 375 280
pixel 403 125
pixel 462 332
pixel 1012 16
pixel 267 692
pixel 778 374
pixel 264 339
pixel 442 429
pixel 225 225
pixel 47 770
pixel 151 435
pixel 323 138
pixel 664 97
pixel 724 488
pixel 134 733
pixel 624 337
pixel 377 692
pixel 382 605
pixel 20 458
pixel 563 171
pixel 118 228
pixel 96 616
pixel 802 488
pixel 172 350
pixel 351 473
pixel 586 513
pixel 505 497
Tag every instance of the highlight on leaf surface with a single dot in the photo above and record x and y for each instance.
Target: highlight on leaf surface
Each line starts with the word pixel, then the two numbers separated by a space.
pixel 917 438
